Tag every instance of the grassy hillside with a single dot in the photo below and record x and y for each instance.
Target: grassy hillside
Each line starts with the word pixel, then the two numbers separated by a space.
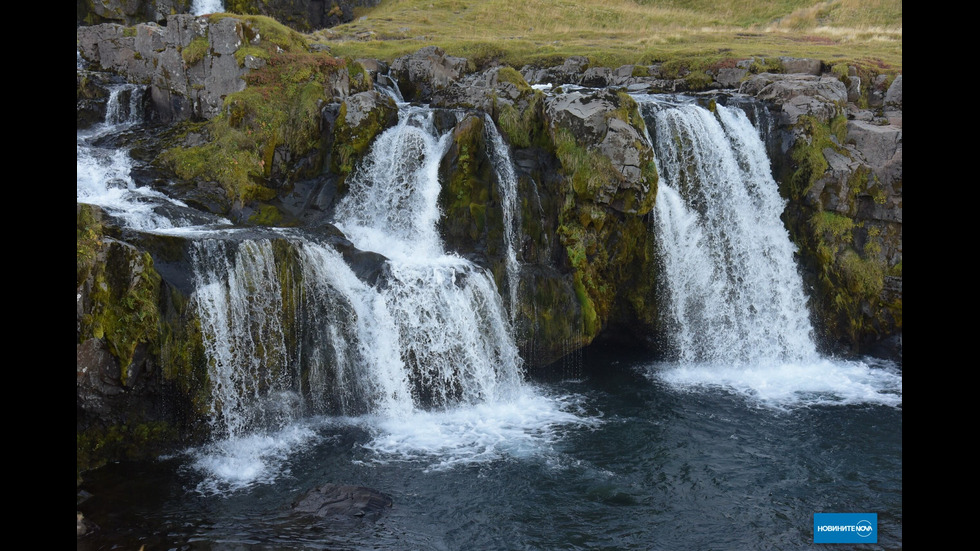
pixel 615 32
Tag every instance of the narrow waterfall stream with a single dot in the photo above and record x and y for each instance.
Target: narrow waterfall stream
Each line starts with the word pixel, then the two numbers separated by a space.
pixel 403 374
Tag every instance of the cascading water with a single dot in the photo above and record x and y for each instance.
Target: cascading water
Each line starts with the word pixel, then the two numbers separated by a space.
pixel 202 7
pixel 402 375
pixel 735 294
pixel 425 357
pixel 452 328
pixel 507 179
pixel 735 309
pixel 104 173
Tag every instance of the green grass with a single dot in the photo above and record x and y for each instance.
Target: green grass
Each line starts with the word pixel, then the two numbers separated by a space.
pixel 618 32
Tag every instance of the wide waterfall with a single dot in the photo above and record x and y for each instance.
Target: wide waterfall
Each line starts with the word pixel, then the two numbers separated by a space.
pixel 362 352
pixel 427 349
pixel 736 314
pixel 734 293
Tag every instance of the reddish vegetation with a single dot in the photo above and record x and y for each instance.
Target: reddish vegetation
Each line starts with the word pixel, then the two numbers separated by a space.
pixel 727 63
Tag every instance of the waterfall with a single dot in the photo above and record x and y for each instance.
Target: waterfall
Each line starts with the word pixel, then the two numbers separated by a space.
pixel 452 328
pixel 203 7
pixel 733 300
pixel 104 174
pixel 507 180
pixel 426 353
pixel 240 306
pixel 733 292
pixel 391 89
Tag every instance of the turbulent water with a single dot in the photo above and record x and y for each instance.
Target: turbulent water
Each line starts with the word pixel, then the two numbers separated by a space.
pixel 412 384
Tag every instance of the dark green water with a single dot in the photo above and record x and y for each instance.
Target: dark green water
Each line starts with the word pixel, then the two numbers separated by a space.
pixel 634 464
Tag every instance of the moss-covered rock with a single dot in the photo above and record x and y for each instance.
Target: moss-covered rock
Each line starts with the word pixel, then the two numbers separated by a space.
pixel 362 117
pixel 845 214
pixel 468 198
pixel 610 184
pixel 140 364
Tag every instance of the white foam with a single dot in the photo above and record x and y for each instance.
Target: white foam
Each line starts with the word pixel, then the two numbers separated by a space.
pixel 527 426
pixel 236 463
pixel 792 385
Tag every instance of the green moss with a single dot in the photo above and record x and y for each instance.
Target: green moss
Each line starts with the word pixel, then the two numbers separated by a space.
pixel 511 75
pixel 766 65
pixel 122 287
pixel 587 170
pixel 466 199
pixel 97 446
pixel 88 239
pixel 274 35
pixel 698 80
pixel 863 277
pixel 352 142
pixel 267 215
pixel 807 153
pixel 195 51
pixel 836 225
pixel 520 126
pixel 628 111
pixel 183 357
pixel 254 51
pixel 360 79
pixel 129 32
pixel 280 107
pixel 840 70
pixel 589 317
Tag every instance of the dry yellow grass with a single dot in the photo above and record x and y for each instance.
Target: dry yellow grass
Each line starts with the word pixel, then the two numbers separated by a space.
pixel 612 32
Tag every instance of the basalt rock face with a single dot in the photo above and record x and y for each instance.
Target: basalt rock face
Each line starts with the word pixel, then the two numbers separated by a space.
pixel 128 12
pixel 189 64
pixel 586 182
pixel 840 166
pixel 421 74
pixel 135 389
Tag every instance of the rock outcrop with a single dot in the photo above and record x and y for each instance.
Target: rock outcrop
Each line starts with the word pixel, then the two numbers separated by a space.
pixel 421 74
pixel 841 168
pixel 190 64
pixel 336 502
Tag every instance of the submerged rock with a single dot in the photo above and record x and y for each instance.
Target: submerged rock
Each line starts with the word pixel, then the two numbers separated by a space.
pixel 336 501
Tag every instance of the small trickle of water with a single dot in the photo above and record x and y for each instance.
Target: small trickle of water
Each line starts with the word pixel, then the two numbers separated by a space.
pixel 507 181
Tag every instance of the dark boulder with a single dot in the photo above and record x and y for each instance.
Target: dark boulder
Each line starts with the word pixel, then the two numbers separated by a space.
pixel 337 501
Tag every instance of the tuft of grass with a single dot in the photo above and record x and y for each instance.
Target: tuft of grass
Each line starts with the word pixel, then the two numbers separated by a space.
pixel 195 51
